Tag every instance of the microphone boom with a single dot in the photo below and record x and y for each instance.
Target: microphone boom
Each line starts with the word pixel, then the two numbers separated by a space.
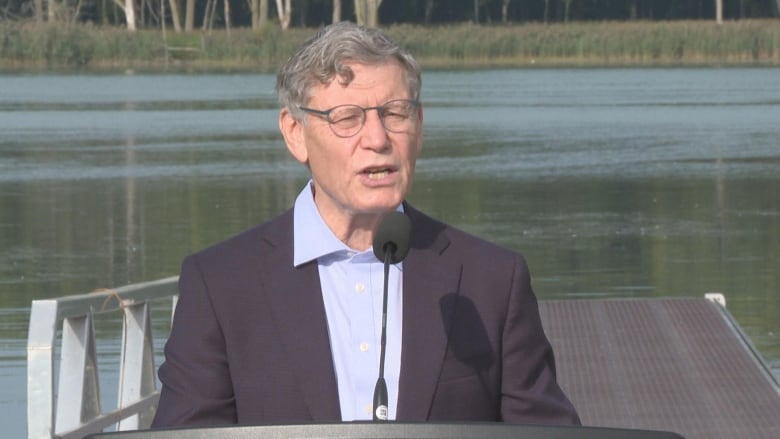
pixel 391 244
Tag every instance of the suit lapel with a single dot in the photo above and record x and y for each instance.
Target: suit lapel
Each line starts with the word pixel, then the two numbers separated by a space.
pixel 428 278
pixel 297 307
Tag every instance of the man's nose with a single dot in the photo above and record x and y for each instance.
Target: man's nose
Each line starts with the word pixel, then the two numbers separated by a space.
pixel 374 132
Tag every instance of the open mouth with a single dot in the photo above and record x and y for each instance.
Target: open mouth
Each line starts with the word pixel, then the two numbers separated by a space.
pixel 377 173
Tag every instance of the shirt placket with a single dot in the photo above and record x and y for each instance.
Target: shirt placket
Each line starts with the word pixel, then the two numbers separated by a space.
pixel 363 347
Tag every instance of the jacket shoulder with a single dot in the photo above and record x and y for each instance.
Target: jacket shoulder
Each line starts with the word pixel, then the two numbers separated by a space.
pixel 274 234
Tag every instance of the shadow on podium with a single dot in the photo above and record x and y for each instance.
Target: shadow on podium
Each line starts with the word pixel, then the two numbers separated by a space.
pixel 392 430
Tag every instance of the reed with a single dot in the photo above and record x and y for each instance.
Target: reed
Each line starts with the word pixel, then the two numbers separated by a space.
pixel 27 46
pixel 603 43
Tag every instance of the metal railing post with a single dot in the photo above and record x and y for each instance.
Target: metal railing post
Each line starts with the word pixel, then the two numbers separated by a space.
pixel 136 373
pixel 78 395
pixel 40 369
pixel 76 409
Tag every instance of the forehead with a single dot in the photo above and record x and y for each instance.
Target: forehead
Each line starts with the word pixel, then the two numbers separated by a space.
pixel 371 84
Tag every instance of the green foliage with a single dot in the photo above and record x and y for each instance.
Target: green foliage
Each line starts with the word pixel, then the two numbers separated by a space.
pixel 50 45
pixel 462 45
pixel 604 43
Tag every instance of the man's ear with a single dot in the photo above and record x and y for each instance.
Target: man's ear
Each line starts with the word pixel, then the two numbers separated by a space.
pixel 292 131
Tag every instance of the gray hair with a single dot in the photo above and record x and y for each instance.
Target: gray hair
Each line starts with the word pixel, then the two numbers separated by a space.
pixel 323 58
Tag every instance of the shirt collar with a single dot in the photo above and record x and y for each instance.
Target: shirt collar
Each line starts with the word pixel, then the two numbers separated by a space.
pixel 312 238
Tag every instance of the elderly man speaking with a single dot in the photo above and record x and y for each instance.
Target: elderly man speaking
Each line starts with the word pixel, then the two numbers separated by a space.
pixel 283 323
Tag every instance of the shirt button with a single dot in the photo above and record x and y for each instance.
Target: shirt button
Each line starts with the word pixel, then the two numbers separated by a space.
pixel 360 287
pixel 363 347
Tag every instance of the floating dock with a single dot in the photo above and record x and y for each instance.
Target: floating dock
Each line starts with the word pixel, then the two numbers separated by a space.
pixel 673 364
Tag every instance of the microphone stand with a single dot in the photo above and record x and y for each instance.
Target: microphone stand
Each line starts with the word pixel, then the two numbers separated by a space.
pixel 380 391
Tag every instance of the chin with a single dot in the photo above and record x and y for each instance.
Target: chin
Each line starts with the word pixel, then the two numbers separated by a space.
pixel 380 208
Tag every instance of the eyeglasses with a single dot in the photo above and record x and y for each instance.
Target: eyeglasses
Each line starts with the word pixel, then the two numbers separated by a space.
pixel 347 120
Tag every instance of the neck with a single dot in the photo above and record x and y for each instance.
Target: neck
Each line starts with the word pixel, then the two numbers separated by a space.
pixel 354 229
pixel 357 232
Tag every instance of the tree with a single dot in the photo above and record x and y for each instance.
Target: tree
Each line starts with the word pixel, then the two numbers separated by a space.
pixel 175 15
pixel 189 16
pixel 262 18
pixel 259 9
pixel 337 11
pixel 129 9
pixel 367 12
pixel 38 10
pixel 429 11
pixel 284 10
pixel 566 10
pixel 208 15
pixel 546 11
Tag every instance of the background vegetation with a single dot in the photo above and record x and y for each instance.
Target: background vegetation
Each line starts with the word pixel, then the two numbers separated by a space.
pixel 258 35
pixel 205 14
pixel 25 46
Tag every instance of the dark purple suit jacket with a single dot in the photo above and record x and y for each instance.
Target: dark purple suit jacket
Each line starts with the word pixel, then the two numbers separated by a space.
pixel 250 345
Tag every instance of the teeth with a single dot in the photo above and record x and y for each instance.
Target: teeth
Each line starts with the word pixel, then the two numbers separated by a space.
pixel 376 175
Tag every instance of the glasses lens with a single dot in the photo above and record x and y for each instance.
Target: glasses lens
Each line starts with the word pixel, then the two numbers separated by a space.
pixel 346 120
pixel 399 115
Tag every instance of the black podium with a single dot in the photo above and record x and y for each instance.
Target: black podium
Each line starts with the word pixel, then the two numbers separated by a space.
pixel 392 430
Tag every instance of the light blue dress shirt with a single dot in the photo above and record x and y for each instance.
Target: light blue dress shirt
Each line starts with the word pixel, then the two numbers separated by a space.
pixel 352 285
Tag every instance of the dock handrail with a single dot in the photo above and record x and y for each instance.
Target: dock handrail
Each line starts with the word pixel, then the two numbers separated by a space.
pixel 74 410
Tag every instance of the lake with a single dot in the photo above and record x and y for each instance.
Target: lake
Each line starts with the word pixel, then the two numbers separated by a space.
pixel 612 182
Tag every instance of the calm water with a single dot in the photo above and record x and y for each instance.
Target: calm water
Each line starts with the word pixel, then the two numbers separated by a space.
pixel 614 183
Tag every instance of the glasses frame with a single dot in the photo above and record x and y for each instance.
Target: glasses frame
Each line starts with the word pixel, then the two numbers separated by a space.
pixel 325 114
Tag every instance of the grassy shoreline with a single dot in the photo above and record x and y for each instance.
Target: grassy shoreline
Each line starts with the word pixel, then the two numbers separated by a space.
pixel 27 47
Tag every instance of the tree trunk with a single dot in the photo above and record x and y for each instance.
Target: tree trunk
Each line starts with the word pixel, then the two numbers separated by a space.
pixel 429 11
pixel 284 10
pixel 207 15
pixel 505 11
pixel 337 11
pixel 76 12
pixel 130 15
pixel 38 10
pixel 262 20
pixel 254 9
pixel 175 15
pixel 141 17
pixel 546 11
pixel 360 12
pixel 719 11
pixel 227 15
pixel 128 7
pixel 52 11
pixel 374 12
pixel 189 16
pixel 367 12
pixel 567 7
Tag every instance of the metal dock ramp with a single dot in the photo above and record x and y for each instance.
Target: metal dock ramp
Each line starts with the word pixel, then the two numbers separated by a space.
pixel 679 365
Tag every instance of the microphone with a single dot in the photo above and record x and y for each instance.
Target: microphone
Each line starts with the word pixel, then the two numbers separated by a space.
pixel 391 244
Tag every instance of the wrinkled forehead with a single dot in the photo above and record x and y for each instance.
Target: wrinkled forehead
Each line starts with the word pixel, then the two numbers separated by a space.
pixel 358 75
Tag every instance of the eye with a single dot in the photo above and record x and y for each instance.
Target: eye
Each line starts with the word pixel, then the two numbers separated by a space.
pixel 397 111
pixel 346 115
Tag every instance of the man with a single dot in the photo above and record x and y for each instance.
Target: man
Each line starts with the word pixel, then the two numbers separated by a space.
pixel 281 324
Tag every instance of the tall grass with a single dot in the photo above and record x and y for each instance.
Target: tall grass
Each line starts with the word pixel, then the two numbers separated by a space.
pixel 749 42
pixel 604 43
